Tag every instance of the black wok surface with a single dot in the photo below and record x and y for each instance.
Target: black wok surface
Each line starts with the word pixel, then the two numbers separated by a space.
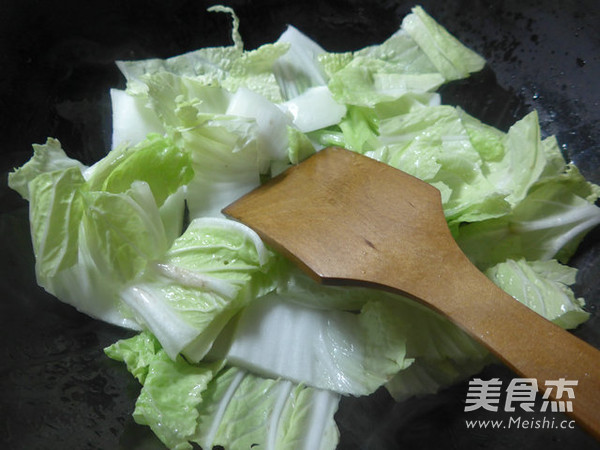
pixel 57 389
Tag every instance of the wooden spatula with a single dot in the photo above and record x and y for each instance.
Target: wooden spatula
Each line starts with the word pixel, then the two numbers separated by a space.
pixel 350 220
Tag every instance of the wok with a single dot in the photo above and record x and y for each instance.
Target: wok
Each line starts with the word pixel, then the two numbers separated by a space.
pixel 57 389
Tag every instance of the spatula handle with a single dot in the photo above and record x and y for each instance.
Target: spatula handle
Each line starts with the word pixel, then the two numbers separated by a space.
pixel 532 346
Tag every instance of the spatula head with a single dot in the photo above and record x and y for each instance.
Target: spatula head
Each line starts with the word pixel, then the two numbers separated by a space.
pixel 347 218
